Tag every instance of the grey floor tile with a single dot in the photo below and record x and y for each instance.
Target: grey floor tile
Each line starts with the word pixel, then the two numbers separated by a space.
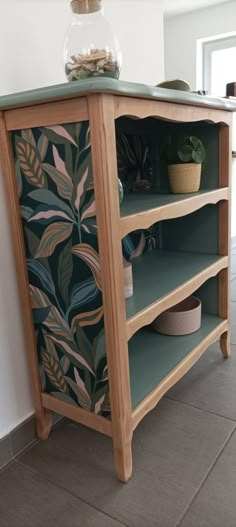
pixel 210 384
pixel 27 500
pixel 6 453
pixel 173 449
pixel 215 505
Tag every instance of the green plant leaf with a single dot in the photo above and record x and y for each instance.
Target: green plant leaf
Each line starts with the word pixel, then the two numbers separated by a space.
pixel 59 175
pixel 33 241
pixel 185 153
pixel 53 235
pixel 65 271
pixel 57 324
pixel 42 146
pixel 50 199
pixel 25 212
pixel 91 258
pixel 84 345
pixel 65 364
pixel 80 391
pixel 18 178
pixel 40 314
pixel 70 350
pixel 42 274
pixel 90 318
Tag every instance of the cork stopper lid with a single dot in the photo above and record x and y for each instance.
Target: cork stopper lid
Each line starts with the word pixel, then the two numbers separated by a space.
pixel 83 7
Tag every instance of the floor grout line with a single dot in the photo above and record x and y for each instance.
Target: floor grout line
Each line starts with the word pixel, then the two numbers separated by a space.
pixel 178 524
pixel 202 409
pixel 71 493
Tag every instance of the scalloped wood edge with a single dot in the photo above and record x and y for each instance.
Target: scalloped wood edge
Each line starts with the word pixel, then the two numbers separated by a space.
pixel 176 374
pixel 144 219
pixel 146 316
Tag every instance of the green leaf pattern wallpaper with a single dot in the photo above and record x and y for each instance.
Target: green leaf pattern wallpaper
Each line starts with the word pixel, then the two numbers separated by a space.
pixel 55 186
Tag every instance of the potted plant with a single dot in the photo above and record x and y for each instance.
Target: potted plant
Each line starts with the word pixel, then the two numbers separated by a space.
pixel 186 158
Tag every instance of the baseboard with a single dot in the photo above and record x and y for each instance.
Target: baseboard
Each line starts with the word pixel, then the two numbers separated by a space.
pixel 19 439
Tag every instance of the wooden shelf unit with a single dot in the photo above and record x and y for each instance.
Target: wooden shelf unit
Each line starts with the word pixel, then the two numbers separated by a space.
pixel 194 256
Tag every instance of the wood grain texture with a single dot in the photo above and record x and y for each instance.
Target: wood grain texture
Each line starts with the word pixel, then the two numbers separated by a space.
pixel 143 220
pixel 43 417
pixel 146 316
pixel 47 114
pixel 183 367
pixel 225 167
pixel 103 144
pixel 89 419
pixel 168 111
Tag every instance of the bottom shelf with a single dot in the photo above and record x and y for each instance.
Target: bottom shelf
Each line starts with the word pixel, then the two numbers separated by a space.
pixel 153 356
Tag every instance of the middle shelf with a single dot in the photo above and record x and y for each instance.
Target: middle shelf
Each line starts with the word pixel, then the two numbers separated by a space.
pixel 140 210
pixel 164 278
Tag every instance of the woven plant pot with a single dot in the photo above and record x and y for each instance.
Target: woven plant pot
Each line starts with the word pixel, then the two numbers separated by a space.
pixel 185 177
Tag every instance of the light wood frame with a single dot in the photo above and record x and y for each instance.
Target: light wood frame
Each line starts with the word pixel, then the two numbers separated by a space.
pixel 102 110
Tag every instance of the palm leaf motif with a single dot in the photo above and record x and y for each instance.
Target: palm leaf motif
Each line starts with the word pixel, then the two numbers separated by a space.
pixel 42 145
pixel 65 270
pixel 54 234
pixel 30 162
pixel 91 258
pixel 59 175
pixel 28 136
pixel 54 371
pixel 80 391
pixel 57 325
pixel 38 298
pixel 87 319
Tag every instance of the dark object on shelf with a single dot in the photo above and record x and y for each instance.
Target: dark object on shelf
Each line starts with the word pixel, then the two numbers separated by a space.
pixel 201 92
pixel 182 319
pixel 134 164
pixel 231 89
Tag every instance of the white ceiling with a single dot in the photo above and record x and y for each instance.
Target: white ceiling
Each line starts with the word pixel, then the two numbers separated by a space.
pixel 175 7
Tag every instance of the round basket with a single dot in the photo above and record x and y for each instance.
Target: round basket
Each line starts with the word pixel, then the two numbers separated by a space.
pixel 182 319
pixel 185 177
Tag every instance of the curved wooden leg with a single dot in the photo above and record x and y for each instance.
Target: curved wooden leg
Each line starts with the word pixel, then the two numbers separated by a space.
pixel 225 344
pixel 123 461
pixel 43 424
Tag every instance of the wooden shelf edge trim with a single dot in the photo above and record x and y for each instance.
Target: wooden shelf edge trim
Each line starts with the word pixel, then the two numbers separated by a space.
pixel 177 373
pixel 143 220
pixel 47 114
pixel 146 316
pixel 89 419
pixel 169 111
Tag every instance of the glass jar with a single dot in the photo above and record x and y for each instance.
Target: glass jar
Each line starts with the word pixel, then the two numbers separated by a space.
pixel 91 48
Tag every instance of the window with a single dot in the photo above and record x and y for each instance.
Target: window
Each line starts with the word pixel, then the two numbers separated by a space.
pixel 219 68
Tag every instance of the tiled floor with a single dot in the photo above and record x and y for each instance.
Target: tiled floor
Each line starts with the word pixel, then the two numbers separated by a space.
pixel 184 462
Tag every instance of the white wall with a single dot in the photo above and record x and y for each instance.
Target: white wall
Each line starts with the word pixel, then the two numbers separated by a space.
pixel 182 32
pixel 31 43
pixel 180 48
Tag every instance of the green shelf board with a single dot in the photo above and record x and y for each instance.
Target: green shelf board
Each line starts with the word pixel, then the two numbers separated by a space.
pixel 153 356
pixel 135 203
pixel 158 273
pixel 117 87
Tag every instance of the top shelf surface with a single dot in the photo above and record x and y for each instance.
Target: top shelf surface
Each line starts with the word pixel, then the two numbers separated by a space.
pixel 112 86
